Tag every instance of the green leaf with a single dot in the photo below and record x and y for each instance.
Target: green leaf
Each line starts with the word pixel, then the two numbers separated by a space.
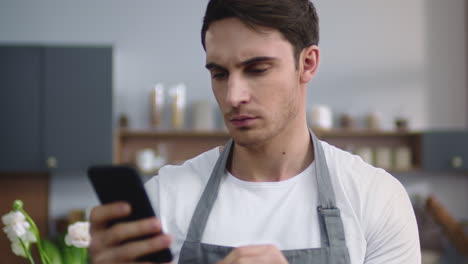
pixel 52 252
pixel 73 255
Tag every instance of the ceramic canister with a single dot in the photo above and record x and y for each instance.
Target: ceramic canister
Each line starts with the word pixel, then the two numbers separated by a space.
pixel 321 117
pixel 203 116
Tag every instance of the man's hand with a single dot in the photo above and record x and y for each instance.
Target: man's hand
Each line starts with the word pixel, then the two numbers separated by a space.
pixel 110 244
pixel 256 255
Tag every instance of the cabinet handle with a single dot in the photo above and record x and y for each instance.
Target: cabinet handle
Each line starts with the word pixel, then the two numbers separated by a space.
pixel 457 162
pixel 52 162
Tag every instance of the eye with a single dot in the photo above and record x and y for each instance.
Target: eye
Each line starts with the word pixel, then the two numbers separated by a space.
pixel 219 75
pixel 257 69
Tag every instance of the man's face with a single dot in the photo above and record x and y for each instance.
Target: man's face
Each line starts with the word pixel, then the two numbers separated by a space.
pixel 254 80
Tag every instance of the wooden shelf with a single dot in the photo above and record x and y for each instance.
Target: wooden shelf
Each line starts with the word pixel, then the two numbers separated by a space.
pixel 171 134
pixel 184 144
pixel 178 145
pixel 363 133
pixel 351 140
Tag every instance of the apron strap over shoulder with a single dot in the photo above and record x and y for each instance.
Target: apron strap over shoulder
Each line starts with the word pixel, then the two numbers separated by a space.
pixel 326 194
pixel 204 206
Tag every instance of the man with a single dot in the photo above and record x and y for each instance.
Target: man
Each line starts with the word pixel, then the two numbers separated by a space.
pixel 275 194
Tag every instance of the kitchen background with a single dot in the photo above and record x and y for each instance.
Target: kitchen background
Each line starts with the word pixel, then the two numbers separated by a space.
pixel 401 58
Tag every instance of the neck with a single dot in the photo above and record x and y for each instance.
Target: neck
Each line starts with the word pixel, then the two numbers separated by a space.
pixel 282 157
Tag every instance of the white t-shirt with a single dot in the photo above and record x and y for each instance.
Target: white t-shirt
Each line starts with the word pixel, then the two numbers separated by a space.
pixel 378 218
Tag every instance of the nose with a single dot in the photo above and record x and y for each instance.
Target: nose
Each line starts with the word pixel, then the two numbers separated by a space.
pixel 237 91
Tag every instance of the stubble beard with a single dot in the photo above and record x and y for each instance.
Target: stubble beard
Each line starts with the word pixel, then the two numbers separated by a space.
pixel 278 122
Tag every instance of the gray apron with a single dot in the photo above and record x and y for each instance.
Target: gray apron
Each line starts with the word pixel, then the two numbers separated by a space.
pixel 333 245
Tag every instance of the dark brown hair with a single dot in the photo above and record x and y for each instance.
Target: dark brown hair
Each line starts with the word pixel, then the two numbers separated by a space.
pixel 297 20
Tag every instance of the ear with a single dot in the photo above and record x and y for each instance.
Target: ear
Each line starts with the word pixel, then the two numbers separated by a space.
pixel 309 61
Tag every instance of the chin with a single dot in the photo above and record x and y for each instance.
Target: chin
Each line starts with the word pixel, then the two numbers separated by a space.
pixel 248 137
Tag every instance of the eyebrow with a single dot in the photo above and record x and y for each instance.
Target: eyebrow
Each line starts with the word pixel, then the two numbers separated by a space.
pixel 253 60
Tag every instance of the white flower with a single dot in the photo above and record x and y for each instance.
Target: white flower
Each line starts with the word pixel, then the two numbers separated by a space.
pixel 16 224
pixel 29 237
pixel 18 228
pixel 13 217
pixel 78 235
pixel 18 249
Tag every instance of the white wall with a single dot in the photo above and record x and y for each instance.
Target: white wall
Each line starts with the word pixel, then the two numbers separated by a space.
pixel 447 57
pixel 374 58
pixel 398 57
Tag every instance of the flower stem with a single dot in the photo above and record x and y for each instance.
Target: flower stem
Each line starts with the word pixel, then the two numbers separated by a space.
pixel 44 258
pixel 26 251
pixel 84 255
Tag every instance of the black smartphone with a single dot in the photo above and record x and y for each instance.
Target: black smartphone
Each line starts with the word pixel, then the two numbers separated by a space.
pixel 122 183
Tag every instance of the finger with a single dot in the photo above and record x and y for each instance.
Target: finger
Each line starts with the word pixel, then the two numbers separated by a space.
pixel 130 230
pixel 255 248
pixel 132 250
pixel 231 257
pixel 102 215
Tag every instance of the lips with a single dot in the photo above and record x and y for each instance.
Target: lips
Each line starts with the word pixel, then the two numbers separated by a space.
pixel 242 120
pixel 241 117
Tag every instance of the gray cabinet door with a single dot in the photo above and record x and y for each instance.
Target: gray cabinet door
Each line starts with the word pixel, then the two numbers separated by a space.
pixel 77 106
pixel 445 151
pixel 20 109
